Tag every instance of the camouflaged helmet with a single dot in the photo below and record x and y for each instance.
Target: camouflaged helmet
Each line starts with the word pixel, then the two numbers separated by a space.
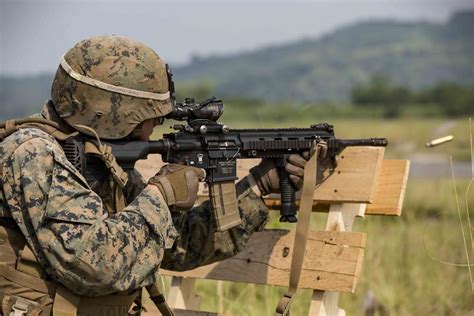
pixel 111 84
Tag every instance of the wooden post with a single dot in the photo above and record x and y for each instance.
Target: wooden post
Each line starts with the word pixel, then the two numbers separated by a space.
pixel 182 294
pixel 340 218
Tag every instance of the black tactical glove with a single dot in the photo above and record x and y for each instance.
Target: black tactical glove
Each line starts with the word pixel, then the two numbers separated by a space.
pixel 267 177
pixel 178 184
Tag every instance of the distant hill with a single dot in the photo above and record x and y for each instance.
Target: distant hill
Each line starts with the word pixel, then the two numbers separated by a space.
pixel 23 96
pixel 417 55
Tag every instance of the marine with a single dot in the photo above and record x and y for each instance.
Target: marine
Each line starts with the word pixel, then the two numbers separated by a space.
pixel 78 235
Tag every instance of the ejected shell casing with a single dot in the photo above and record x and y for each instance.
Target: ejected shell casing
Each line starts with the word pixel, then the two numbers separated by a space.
pixel 439 141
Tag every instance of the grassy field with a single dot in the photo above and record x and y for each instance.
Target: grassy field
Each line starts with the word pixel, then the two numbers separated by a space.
pixel 402 267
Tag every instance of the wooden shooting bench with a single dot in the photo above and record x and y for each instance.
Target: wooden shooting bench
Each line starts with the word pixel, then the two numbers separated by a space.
pixel 362 184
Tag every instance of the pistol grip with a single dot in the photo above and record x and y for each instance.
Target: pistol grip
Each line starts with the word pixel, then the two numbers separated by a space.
pixel 288 198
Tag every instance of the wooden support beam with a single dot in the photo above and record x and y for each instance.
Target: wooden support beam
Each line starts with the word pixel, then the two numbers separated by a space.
pixel 182 294
pixel 340 218
pixel 387 198
pixel 352 181
pixel 325 304
pixel 390 188
pixel 332 261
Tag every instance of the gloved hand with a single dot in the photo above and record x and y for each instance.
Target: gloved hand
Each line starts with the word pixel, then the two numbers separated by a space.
pixel 178 184
pixel 267 177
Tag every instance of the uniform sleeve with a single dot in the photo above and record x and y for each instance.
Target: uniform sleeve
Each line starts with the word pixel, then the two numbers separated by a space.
pixel 134 186
pixel 71 234
pixel 199 244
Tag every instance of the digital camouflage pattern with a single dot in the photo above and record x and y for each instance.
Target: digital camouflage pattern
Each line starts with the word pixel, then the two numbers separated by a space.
pixel 198 244
pixel 93 253
pixel 115 60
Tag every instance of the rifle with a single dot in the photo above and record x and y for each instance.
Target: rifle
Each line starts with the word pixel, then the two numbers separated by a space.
pixel 205 143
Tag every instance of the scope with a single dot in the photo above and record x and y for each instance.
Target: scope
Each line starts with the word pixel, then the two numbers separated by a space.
pixel 210 109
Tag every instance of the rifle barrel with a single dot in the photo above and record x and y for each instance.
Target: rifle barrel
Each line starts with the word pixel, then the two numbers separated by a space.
pixel 377 142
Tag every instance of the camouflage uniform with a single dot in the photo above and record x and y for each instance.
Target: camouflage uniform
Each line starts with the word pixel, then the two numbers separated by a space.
pixel 93 253
pixel 76 234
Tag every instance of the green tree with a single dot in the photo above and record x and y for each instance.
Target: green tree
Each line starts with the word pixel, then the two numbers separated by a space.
pixel 452 98
pixel 380 92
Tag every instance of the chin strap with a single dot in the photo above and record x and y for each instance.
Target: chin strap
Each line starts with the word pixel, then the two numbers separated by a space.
pixel 302 228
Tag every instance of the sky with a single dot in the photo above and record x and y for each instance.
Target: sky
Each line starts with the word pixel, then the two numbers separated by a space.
pixel 35 33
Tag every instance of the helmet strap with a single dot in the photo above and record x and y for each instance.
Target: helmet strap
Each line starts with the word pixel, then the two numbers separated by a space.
pixel 110 87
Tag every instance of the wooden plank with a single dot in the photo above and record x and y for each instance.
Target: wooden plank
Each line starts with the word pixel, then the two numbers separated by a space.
pixel 182 294
pixel 325 304
pixel 388 196
pixel 387 199
pixel 342 215
pixel 340 218
pixel 390 189
pixel 331 263
pixel 353 180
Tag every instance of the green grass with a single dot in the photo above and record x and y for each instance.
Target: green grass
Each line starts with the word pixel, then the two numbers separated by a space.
pixel 398 266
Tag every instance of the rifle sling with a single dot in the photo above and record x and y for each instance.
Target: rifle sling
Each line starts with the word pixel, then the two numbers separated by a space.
pixel 159 300
pixel 302 229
